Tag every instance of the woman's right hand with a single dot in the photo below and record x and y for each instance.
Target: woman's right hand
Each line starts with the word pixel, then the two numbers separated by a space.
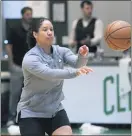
pixel 83 70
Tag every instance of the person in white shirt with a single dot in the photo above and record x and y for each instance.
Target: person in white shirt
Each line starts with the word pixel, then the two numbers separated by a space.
pixel 86 30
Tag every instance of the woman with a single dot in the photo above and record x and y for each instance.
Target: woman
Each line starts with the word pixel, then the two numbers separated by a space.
pixel 40 109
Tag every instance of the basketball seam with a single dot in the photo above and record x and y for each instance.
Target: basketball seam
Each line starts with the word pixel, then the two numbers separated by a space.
pixel 115 31
pixel 115 44
pixel 110 28
pixel 119 38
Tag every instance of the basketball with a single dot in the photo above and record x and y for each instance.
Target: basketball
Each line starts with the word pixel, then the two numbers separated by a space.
pixel 118 35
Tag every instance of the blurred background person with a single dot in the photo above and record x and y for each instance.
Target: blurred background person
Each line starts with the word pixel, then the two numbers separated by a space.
pixel 127 53
pixel 86 30
pixel 16 48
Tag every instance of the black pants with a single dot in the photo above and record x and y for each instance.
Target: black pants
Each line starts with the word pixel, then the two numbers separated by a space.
pixel 38 126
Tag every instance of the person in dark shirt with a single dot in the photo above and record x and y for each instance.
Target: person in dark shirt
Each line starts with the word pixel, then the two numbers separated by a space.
pixel 16 48
pixel 86 30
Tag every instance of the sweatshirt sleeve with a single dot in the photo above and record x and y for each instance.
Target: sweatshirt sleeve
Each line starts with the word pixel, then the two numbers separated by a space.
pixel 75 61
pixel 33 64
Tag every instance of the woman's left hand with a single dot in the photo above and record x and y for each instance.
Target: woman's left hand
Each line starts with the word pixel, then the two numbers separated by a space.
pixel 83 50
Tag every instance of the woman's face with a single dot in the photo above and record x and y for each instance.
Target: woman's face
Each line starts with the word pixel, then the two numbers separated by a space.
pixel 45 34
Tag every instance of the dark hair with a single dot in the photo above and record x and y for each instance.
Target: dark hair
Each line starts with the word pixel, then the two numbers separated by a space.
pixel 34 27
pixel 23 10
pixel 88 2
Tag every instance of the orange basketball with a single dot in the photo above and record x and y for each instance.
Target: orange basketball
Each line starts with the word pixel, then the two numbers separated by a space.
pixel 118 35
